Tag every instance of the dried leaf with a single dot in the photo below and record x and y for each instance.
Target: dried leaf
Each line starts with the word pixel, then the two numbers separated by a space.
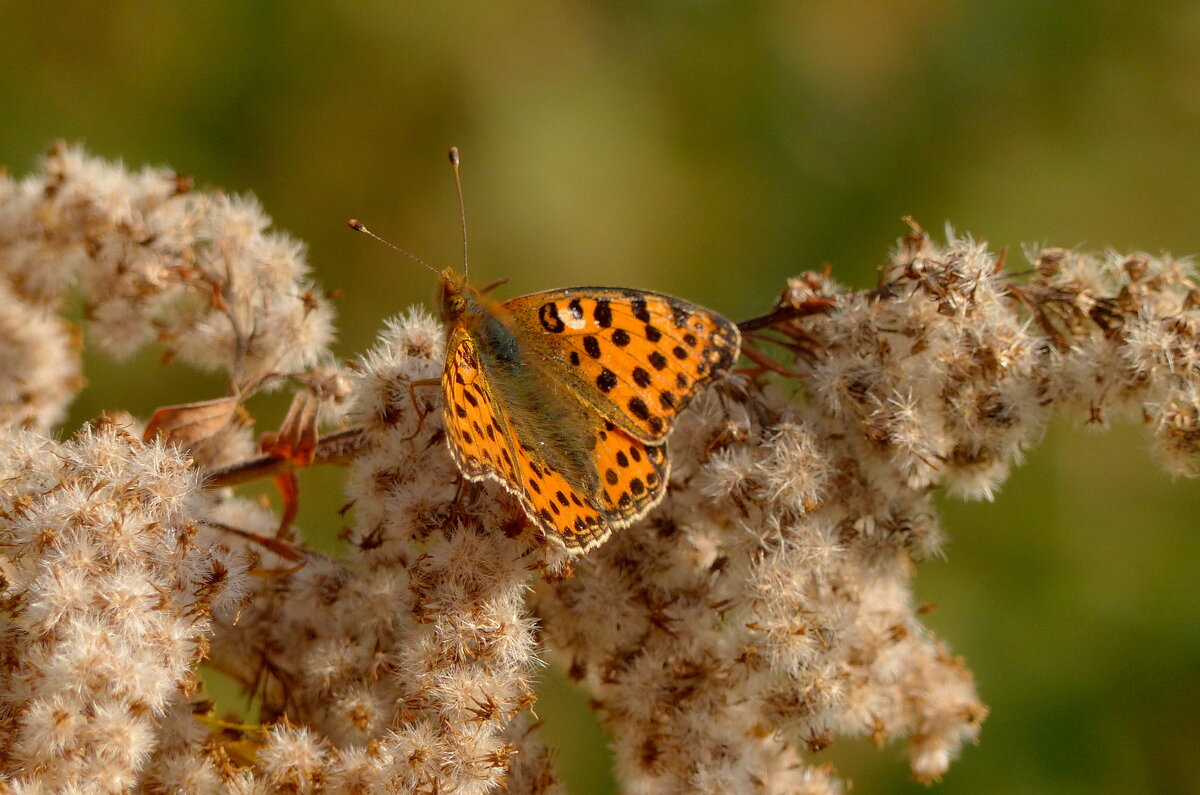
pixel 297 438
pixel 289 491
pixel 189 423
pixel 272 574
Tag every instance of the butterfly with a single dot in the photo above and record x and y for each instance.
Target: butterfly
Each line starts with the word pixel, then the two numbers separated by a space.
pixel 566 397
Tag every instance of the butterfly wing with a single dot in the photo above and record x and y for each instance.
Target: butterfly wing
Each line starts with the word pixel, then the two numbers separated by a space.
pixel 633 474
pixel 486 442
pixel 477 427
pixel 636 357
pixel 633 479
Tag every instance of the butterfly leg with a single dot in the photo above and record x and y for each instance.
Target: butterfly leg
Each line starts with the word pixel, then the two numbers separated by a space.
pixel 455 509
pixel 459 488
pixel 412 395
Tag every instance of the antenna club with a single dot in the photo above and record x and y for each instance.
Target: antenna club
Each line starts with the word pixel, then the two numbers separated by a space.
pixel 462 211
pixel 356 225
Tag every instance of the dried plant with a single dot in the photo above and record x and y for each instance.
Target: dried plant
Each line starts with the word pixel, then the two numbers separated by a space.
pixel 761 612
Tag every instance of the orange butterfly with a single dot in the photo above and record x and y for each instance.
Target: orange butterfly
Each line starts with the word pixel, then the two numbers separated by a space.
pixel 566 397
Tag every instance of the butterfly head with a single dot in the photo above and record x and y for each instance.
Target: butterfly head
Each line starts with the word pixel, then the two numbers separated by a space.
pixel 457 296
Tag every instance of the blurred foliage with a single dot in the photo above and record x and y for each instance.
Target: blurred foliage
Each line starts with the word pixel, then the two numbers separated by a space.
pixel 710 149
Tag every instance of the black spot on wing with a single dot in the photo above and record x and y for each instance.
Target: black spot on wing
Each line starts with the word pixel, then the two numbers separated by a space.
pixel 638 408
pixel 548 316
pixel 603 314
pixel 592 346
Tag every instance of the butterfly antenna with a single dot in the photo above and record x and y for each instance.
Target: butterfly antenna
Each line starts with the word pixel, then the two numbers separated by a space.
pixel 462 210
pixel 358 226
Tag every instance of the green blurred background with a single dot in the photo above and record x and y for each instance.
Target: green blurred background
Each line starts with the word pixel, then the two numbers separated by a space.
pixel 710 149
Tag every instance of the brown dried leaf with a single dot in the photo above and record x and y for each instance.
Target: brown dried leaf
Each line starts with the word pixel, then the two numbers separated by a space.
pixel 189 423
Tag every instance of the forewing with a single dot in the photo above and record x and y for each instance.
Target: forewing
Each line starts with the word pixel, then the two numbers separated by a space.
pixel 486 444
pixel 637 357
pixel 477 428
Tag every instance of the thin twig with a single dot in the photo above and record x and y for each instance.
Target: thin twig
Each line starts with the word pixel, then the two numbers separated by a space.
pixel 336 448
pixel 782 314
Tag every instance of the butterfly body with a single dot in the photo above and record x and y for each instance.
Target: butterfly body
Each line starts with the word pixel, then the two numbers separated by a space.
pixel 565 397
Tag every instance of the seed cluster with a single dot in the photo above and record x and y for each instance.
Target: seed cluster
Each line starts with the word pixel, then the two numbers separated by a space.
pixel 763 611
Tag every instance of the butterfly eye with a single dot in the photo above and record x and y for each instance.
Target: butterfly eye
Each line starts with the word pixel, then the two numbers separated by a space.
pixel 455 305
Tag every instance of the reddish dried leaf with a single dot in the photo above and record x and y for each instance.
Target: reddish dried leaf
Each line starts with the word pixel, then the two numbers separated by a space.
pixel 218 299
pixel 289 490
pixel 297 438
